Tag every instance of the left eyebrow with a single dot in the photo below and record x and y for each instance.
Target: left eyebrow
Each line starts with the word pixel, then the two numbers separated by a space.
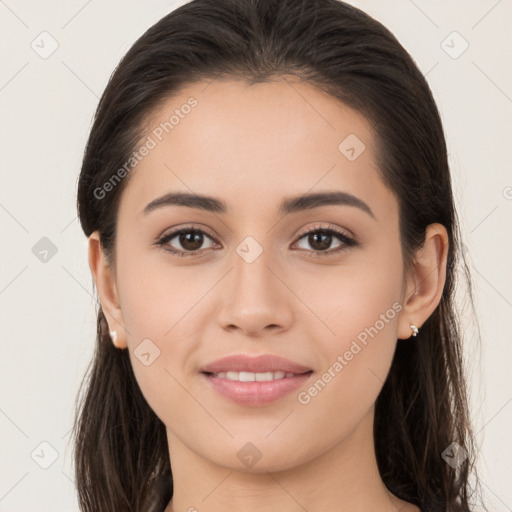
pixel 310 201
pixel 288 206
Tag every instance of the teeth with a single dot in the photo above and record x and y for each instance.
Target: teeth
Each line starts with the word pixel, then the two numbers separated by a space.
pixel 251 376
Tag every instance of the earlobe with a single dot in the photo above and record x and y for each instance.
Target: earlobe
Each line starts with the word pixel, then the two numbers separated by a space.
pixel 107 290
pixel 427 282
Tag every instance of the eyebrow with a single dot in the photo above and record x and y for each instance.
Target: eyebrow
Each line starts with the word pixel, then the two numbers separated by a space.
pixel 288 206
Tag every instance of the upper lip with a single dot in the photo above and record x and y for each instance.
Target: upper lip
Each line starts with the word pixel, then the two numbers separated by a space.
pixel 259 364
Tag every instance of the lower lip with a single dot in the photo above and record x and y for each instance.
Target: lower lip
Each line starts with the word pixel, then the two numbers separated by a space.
pixel 256 393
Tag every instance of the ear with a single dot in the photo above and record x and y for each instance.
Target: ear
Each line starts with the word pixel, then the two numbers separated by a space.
pixel 104 279
pixel 424 287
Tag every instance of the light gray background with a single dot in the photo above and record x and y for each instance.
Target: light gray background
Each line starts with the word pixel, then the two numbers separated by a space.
pixel 47 309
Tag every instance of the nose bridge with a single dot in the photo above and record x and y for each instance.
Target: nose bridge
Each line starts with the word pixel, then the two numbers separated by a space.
pixel 255 297
pixel 251 263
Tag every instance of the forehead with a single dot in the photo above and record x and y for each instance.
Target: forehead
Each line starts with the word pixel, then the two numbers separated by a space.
pixel 252 144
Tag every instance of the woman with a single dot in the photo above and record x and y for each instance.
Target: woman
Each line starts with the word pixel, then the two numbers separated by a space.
pixel 274 242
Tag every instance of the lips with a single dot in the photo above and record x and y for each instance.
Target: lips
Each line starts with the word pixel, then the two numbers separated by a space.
pixel 260 364
pixel 255 381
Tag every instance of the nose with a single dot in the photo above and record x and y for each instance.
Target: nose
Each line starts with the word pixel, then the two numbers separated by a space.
pixel 256 299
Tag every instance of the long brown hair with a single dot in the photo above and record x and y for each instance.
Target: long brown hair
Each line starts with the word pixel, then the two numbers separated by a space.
pixel 121 453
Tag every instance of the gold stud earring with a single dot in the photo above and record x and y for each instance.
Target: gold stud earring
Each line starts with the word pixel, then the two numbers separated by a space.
pixel 414 329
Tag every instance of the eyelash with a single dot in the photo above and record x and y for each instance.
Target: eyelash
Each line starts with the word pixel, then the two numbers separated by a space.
pixel 346 240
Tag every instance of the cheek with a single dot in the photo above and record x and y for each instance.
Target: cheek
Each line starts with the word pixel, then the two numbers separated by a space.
pixel 360 310
pixel 155 294
pixel 351 298
pixel 356 364
pixel 162 312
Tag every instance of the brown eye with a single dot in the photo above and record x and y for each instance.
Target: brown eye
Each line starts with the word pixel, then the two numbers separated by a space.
pixel 188 240
pixel 320 240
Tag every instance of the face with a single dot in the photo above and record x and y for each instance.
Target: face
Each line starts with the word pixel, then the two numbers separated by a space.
pixel 317 283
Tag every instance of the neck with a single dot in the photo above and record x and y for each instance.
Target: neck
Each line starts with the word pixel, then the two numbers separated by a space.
pixel 344 478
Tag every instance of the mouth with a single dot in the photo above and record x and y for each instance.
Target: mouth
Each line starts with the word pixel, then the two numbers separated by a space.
pixel 255 376
pixel 255 389
pixel 254 381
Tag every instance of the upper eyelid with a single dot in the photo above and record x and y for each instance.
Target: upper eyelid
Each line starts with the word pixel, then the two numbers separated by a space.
pixel 177 231
pixel 329 227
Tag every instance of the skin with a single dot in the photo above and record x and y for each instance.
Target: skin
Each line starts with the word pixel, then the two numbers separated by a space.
pixel 252 146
